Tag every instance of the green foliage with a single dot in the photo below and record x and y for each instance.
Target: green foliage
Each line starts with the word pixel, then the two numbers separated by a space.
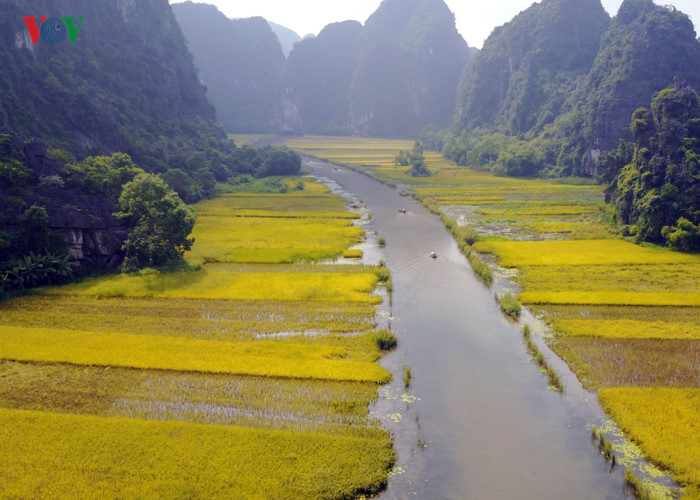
pixel 132 89
pixel 417 159
pixel 683 236
pixel 406 377
pixel 385 339
pixel 658 191
pixel 35 270
pixel 14 173
pixel 159 222
pixel 518 160
pixel 510 305
pixel 103 175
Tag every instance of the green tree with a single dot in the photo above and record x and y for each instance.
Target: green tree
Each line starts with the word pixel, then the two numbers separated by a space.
pixel 105 174
pixel 159 222
pixel 179 181
pixel 418 166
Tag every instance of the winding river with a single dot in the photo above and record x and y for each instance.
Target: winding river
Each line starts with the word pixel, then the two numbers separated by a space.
pixel 478 420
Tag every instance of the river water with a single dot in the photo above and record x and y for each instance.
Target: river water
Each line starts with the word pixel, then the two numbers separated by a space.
pixel 478 420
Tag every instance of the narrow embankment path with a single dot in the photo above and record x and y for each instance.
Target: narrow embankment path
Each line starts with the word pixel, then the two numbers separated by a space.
pixel 478 420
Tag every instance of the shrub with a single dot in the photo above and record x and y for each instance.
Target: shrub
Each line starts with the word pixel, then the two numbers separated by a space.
pixel 381 242
pixel 385 339
pixel 510 305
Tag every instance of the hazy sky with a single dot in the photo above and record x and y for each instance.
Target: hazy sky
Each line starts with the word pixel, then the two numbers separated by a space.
pixel 474 22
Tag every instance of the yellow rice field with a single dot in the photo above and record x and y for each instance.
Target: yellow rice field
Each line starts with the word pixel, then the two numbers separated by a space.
pixel 256 228
pixel 664 423
pixel 263 358
pixel 209 365
pixel 593 252
pixel 627 328
pixel 215 284
pixel 76 456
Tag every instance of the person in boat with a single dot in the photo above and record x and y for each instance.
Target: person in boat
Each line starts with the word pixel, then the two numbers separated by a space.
pixel 433 255
pixel 402 210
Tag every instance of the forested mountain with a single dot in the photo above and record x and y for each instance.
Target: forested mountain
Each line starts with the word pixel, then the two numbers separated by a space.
pixel 391 77
pixel 127 83
pixel 552 92
pixel 239 61
pixel 645 49
pixel 528 67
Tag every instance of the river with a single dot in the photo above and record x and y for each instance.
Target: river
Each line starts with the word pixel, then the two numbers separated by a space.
pixel 478 420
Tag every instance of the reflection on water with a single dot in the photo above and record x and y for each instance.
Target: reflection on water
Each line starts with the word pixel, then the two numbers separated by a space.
pixel 478 420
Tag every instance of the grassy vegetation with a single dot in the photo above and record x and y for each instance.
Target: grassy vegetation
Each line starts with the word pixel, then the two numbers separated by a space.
pixel 618 362
pixel 69 456
pixel 623 316
pixel 663 422
pixel 209 364
pixel 332 407
pixel 194 318
pixel 510 305
pixel 554 380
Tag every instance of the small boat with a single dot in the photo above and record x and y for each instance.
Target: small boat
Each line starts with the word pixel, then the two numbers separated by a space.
pixel 402 210
pixel 433 255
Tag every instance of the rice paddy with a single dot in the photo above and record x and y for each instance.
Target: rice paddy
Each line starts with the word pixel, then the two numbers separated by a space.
pixel 188 383
pixel 78 456
pixel 625 318
pixel 255 228
pixel 664 423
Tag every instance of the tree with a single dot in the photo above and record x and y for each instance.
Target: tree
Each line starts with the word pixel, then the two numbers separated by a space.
pixel 159 222
pixel 418 166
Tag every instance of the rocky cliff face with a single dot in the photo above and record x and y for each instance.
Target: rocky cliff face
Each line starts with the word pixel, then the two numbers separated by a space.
pixel 240 61
pixel 391 77
pixel 317 80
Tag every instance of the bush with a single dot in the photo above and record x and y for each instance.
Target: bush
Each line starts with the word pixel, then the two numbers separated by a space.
pixel 381 242
pixel 684 236
pixel 510 305
pixel 385 339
